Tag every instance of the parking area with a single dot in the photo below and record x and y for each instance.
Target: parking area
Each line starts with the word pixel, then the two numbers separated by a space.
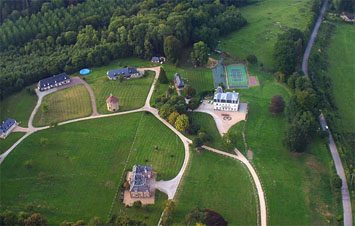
pixel 224 119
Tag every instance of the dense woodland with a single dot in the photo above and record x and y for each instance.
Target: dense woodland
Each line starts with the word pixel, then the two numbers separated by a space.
pixel 94 32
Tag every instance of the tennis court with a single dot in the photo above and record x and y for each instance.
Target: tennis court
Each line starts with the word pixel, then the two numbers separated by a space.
pixel 237 76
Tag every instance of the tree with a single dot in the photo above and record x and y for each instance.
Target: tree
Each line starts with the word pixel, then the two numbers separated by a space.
pixel 182 123
pixel 162 77
pixel 36 220
pixel 277 105
pixel 96 221
pixel 8 218
pixel 194 103
pixel 285 56
pixel 166 110
pixel 172 48
pixel 294 138
pixel 197 215
pixel 121 78
pixel 80 223
pixel 44 107
pixel 252 59
pixel 168 213
pixel 197 142
pixel 172 117
pixel 189 91
pixel 200 54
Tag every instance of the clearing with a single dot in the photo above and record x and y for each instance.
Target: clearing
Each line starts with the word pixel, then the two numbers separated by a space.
pixel 69 103
pixel 18 106
pixel 266 19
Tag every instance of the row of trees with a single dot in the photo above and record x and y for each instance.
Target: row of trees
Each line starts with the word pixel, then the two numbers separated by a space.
pixel 22 219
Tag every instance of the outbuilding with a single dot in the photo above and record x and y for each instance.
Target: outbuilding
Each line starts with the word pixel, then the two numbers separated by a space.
pixel 112 103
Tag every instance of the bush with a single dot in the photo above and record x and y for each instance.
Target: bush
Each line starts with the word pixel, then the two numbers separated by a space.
pixel 337 182
pixel 197 142
pixel 28 164
pixel 45 107
pixel 252 59
pixel 137 204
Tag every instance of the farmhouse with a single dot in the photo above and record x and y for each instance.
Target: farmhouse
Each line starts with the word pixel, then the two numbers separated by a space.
pixel 127 72
pixel 112 103
pixel 348 17
pixel 179 84
pixel 225 101
pixel 54 81
pixel 160 60
pixel 6 127
pixel 140 181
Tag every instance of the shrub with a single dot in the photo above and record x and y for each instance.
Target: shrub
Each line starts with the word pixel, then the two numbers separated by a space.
pixel 197 142
pixel 252 59
pixel 43 141
pixel 45 107
pixel 277 105
pixel 337 182
pixel 137 204
pixel 28 164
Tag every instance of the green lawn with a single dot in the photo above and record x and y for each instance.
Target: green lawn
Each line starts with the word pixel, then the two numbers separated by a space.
pixel 342 72
pixel 18 106
pixel 207 123
pixel 199 78
pixel 266 19
pixel 293 183
pixel 131 93
pixel 69 103
pixel 218 183
pixel 9 141
pixel 77 167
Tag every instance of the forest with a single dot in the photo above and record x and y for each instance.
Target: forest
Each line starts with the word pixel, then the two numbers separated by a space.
pixel 94 32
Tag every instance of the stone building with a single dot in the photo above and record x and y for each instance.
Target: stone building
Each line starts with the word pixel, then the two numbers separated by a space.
pixel 112 103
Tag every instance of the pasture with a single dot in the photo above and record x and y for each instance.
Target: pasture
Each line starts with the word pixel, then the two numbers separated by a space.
pixel 218 183
pixel 72 172
pixel 199 78
pixel 69 103
pixel 288 178
pixel 9 141
pixel 266 19
pixel 18 106
pixel 207 124
pixel 131 93
pixel 341 70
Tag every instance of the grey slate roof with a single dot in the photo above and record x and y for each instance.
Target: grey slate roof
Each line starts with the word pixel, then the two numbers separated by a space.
pixel 53 80
pixel 6 125
pixel 219 89
pixel 155 59
pixel 228 97
pixel 126 72
pixel 178 81
pixel 140 180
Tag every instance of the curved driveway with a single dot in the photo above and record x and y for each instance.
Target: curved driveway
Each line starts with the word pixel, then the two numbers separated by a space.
pixel 169 187
pixel 332 146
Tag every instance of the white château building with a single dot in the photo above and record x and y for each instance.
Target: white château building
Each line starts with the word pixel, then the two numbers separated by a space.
pixel 225 101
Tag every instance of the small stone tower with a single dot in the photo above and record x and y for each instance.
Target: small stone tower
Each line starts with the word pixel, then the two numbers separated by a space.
pixel 112 103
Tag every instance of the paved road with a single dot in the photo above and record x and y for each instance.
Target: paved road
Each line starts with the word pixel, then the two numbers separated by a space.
pixel 337 161
pixel 340 171
pixel 313 38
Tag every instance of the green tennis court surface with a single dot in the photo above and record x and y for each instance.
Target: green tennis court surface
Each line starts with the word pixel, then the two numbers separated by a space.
pixel 237 76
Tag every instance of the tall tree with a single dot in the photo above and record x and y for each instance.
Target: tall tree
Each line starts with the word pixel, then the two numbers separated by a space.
pixel 277 105
pixel 162 77
pixel 200 54
pixel 182 123
pixel 172 48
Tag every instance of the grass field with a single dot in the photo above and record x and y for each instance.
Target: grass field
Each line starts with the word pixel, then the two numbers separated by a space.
pixel 293 183
pixel 131 93
pixel 9 141
pixel 237 76
pixel 342 72
pixel 199 78
pixel 266 19
pixel 207 123
pixel 76 169
pixel 218 183
pixel 18 106
pixel 70 103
